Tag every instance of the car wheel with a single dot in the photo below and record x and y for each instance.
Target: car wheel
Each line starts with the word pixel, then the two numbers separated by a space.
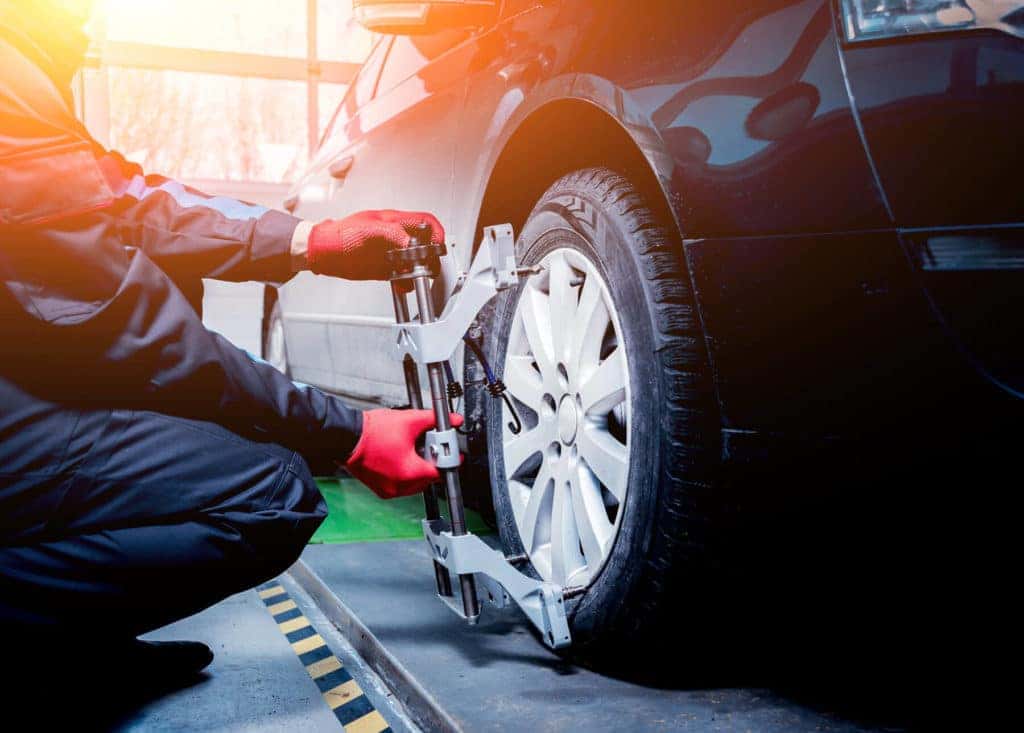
pixel 275 350
pixel 604 359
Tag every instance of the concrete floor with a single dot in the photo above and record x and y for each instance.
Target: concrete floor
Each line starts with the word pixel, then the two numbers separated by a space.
pixel 256 682
pixel 498 677
pixel 494 677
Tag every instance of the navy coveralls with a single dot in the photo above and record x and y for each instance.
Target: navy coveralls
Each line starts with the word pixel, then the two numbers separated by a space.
pixel 148 468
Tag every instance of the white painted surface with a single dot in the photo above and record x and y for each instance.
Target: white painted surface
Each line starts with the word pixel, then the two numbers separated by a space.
pixel 235 310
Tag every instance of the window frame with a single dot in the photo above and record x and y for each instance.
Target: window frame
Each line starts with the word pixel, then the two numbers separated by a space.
pixel 351 88
pixel 398 82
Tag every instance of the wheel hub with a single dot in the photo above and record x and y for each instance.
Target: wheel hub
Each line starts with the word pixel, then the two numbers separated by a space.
pixel 568 420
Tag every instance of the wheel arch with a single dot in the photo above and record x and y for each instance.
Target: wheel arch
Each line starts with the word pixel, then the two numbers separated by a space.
pixel 594 125
pixel 554 121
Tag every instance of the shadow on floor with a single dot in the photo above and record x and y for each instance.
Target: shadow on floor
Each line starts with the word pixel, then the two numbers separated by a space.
pixel 869 601
pixel 71 693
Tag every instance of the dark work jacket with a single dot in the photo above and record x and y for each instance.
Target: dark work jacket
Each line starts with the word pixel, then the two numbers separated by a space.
pixel 95 261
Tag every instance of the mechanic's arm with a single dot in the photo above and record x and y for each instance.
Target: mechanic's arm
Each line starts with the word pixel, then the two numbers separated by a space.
pixel 192 235
pixel 95 324
pixel 51 168
pixel 92 323
pixel 90 319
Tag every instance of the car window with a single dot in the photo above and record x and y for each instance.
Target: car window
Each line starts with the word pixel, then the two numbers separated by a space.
pixel 409 54
pixel 360 91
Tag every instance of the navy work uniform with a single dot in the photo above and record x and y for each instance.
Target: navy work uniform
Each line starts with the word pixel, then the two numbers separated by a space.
pixel 148 468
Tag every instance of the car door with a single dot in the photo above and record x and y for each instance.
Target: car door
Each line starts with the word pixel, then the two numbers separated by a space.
pixel 308 301
pixel 396 151
pixel 939 88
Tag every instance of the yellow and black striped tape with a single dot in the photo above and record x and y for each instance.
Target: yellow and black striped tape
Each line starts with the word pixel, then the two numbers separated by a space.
pixel 353 709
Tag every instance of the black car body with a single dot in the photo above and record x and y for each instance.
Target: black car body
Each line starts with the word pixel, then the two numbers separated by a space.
pixel 844 200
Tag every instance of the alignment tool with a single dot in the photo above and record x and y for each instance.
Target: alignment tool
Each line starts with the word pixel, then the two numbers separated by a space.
pixel 431 341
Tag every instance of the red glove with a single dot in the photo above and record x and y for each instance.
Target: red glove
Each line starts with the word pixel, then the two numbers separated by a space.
pixel 386 459
pixel 354 247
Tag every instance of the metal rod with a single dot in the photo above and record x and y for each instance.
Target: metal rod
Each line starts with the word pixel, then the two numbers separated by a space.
pixel 412 375
pixel 453 489
pixel 412 386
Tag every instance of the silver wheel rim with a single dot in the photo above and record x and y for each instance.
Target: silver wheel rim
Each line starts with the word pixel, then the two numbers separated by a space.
pixel 276 353
pixel 568 469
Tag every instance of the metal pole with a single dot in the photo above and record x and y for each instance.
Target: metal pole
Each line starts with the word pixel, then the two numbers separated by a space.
pixel 412 387
pixel 453 490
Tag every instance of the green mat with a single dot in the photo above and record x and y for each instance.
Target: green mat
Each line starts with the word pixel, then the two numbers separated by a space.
pixel 355 514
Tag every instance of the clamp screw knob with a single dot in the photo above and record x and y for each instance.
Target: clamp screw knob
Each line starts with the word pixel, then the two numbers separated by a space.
pixel 421 235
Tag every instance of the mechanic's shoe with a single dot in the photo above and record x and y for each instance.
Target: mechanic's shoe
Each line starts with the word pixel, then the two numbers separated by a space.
pixel 166 660
pixel 140 671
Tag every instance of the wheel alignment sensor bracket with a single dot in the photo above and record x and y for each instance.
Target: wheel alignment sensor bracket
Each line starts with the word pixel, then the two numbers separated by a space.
pixel 493 269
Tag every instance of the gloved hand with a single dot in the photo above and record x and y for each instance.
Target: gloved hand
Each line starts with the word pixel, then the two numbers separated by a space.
pixel 386 458
pixel 354 247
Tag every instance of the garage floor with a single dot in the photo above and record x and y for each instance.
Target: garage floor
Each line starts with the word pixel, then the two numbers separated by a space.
pixel 261 679
pixel 498 677
pixel 353 639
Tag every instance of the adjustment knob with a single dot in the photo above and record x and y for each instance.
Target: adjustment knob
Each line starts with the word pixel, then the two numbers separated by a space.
pixel 421 235
pixel 420 252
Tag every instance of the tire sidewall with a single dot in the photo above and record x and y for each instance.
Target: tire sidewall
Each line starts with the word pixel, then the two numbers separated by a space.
pixel 571 218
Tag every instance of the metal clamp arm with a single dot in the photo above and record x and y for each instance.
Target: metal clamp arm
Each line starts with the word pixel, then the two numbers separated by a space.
pixel 432 342
pixel 493 269
pixel 542 602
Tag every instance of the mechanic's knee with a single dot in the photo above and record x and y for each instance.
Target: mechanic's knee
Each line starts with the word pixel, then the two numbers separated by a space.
pixel 298 497
pixel 275 534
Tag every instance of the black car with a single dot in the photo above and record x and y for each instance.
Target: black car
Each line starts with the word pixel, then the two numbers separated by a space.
pixel 769 228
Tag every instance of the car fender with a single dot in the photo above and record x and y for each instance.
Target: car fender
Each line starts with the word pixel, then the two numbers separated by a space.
pixel 519 105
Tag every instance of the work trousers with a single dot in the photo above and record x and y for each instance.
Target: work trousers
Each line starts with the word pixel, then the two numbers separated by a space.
pixel 117 522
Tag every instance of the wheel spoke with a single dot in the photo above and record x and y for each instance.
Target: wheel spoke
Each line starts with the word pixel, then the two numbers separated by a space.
pixel 565 540
pixel 523 381
pixel 536 316
pixel 607 458
pixel 588 326
pixel 534 518
pixel 592 523
pixel 606 387
pixel 520 448
pixel 562 301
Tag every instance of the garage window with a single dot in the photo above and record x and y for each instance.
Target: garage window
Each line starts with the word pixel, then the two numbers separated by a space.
pixel 266 27
pixel 233 90
pixel 209 126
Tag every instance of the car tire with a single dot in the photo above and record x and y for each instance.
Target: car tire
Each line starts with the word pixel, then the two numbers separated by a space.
pixel 661 545
pixel 275 348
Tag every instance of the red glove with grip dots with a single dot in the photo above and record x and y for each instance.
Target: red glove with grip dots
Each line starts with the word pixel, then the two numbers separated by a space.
pixel 386 458
pixel 354 248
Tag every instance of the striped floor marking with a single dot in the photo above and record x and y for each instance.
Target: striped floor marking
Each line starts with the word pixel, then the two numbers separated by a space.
pixel 352 708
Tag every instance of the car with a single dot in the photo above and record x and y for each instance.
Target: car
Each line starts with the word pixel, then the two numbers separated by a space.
pixel 765 229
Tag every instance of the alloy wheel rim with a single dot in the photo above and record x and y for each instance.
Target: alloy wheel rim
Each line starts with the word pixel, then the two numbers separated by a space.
pixel 567 370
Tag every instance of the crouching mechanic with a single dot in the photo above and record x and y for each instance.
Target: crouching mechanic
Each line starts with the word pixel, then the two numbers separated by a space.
pixel 148 468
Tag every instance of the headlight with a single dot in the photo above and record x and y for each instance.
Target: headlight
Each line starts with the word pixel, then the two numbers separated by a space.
pixel 867 20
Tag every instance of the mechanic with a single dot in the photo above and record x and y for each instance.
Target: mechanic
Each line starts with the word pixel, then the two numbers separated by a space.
pixel 149 468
